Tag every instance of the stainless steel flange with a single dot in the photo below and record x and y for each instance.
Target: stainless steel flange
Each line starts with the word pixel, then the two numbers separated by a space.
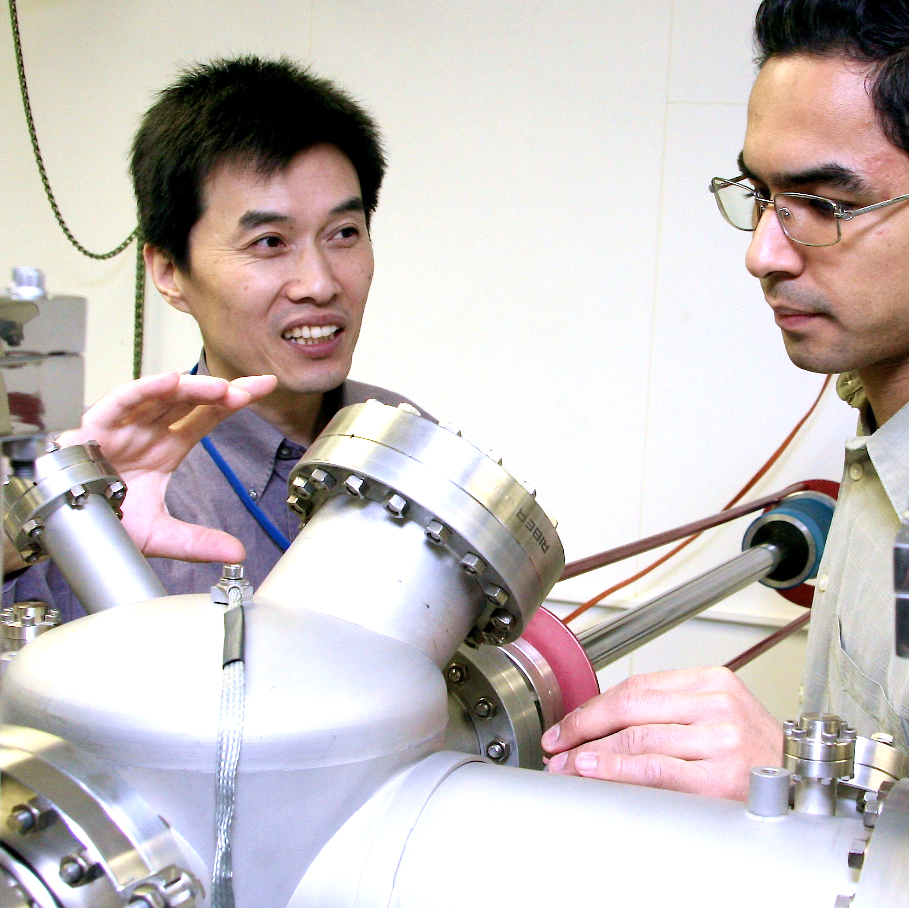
pixel 462 497
pixel 72 835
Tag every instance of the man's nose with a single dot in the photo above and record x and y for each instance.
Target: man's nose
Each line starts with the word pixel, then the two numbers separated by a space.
pixel 312 278
pixel 770 250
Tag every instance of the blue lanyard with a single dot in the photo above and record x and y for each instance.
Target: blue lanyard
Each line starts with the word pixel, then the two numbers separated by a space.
pixel 261 518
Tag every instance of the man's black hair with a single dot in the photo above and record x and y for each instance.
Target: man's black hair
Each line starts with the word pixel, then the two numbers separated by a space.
pixel 873 32
pixel 245 110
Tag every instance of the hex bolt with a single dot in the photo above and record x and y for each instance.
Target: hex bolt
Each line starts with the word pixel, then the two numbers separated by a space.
pixel 356 486
pixel 32 529
pixel 302 487
pixel 116 491
pixel 484 708
pixel 77 496
pixel 437 532
pixel 872 808
pixel 496 595
pixel 409 408
pixel 456 673
pixel 321 479
pixel 528 487
pixel 502 620
pixel 22 819
pixel 857 853
pixel 472 564
pixel 882 738
pixel 843 901
pixel 50 447
pixel 31 553
pixel 498 750
pixel 493 455
pixel 30 817
pixel 76 869
pixel 145 896
pixel 396 505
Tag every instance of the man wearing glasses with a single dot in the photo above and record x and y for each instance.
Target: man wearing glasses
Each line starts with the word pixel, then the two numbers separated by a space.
pixel 822 185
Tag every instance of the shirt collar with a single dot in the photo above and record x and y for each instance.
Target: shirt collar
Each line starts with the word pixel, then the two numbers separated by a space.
pixel 249 443
pixel 886 446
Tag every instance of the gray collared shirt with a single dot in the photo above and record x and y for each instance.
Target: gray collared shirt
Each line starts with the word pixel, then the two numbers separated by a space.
pixel 851 667
pixel 199 493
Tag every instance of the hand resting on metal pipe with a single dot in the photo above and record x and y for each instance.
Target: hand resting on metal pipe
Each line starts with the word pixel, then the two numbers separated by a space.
pixel 696 730
pixel 145 428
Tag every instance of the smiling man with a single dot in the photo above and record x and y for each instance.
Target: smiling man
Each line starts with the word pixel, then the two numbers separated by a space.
pixel 824 189
pixel 255 183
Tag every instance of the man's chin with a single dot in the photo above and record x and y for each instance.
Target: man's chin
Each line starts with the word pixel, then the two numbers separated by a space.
pixel 821 362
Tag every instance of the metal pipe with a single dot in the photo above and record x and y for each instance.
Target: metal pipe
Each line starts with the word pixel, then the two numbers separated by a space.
pixel 619 636
pixel 97 557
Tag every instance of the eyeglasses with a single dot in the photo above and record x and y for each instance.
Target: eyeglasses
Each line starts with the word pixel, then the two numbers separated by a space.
pixel 810 220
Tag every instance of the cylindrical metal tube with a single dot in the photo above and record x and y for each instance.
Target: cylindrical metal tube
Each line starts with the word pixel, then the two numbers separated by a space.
pixel 414 846
pixel 96 556
pixel 613 639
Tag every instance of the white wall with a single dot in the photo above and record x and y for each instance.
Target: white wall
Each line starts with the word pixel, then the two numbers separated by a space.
pixel 552 272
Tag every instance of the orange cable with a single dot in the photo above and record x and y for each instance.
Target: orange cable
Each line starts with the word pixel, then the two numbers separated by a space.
pixel 743 491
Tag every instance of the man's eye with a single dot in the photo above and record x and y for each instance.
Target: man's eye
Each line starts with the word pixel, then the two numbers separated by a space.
pixel 347 233
pixel 269 242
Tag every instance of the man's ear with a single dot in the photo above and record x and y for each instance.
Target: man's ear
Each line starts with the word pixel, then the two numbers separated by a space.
pixel 165 275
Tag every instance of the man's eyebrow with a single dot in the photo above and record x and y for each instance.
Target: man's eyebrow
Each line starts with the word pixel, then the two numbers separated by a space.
pixel 254 218
pixel 250 220
pixel 353 204
pixel 834 175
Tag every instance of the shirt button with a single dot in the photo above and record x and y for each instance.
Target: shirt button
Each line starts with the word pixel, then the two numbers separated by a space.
pixel 856 471
pixel 285 453
pixel 253 494
pixel 822 583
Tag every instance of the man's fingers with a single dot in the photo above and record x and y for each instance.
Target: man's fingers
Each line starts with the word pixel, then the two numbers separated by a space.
pixel 624 708
pixel 683 742
pixel 650 770
pixel 172 538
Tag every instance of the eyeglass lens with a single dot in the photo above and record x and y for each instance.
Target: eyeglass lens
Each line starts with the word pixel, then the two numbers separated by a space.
pixel 809 220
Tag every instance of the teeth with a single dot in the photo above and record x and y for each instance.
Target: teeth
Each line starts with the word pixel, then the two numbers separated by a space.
pixel 310 334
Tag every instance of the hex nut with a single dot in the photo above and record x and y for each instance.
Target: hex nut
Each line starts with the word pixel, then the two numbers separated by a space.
pixel 76 869
pixel 472 564
pixel 843 901
pixel 21 819
pixel 484 708
pixel 409 408
pixel 396 505
pixel 502 620
pixel 882 738
pixel 857 853
pixel 30 817
pixel 497 596
pixel 32 529
pixel 116 491
pixel 498 750
pixel 77 496
pixel 457 673
pixel 302 487
pixel 437 532
pixel 356 486
pixel 322 479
